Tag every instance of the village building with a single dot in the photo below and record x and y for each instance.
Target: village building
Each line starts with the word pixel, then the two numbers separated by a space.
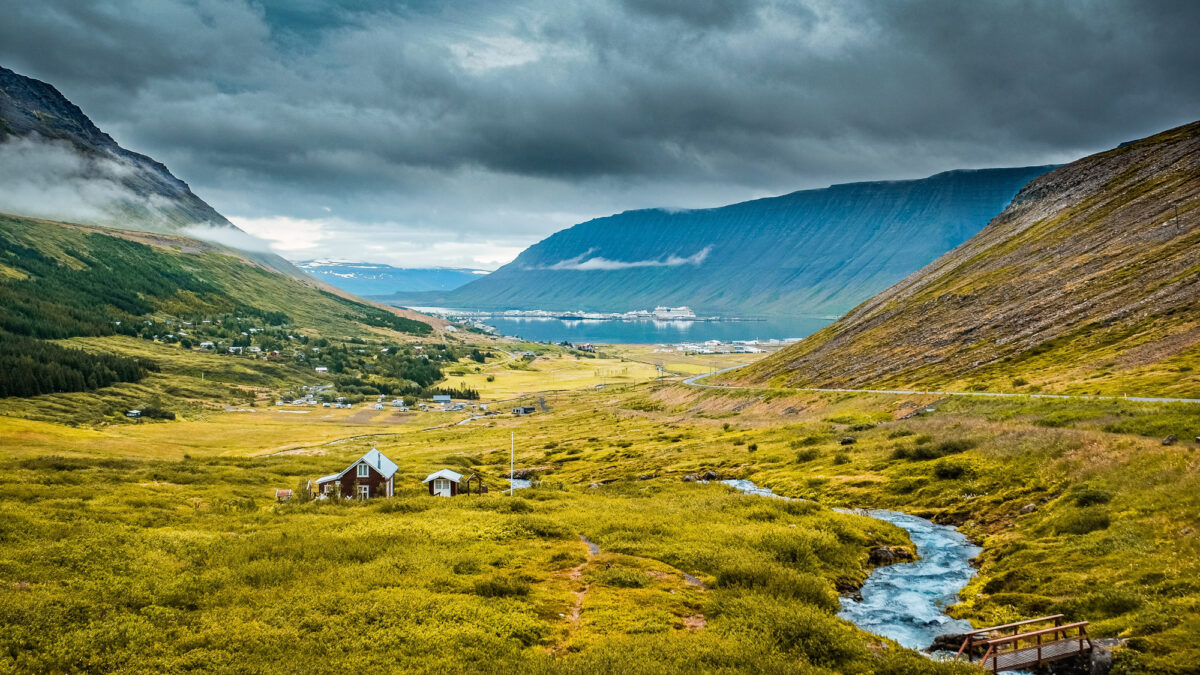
pixel 443 483
pixel 523 410
pixel 369 476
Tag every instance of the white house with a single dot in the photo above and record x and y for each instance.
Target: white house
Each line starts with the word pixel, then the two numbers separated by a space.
pixel 443 483
pixel 321 369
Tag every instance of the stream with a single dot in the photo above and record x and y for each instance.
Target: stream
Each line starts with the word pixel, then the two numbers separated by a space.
pixel 905 601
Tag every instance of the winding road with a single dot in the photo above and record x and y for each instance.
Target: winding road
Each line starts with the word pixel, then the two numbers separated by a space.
pixel 692 382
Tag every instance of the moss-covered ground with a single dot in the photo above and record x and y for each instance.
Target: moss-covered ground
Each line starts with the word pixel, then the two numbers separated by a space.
pixel 159 546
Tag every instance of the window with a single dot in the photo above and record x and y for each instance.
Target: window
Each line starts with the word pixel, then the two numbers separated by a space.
pixel 363 471
pixel 364 491
pixel 441 487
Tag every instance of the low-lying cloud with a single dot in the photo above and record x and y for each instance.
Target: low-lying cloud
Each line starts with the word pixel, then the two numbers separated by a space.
pixel 229 236
pixel 583 263
pixel 50 179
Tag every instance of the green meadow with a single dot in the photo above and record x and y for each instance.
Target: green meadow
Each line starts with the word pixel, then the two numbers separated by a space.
pixel 160 547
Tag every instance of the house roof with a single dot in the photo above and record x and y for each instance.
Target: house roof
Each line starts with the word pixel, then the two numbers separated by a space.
pixel 452 476
pixel 374 458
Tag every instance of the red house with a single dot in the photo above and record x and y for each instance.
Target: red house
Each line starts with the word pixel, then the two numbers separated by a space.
pixel 369 476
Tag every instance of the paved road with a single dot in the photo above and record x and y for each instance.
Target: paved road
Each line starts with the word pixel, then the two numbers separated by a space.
pixel 692 381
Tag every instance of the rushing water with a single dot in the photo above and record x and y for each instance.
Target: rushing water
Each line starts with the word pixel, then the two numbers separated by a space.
pixel 905 601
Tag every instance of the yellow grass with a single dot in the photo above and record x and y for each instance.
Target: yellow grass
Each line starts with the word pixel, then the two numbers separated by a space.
pixel 548 373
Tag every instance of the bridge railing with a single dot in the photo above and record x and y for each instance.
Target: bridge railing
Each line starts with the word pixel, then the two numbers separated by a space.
pixel 1034 645
pixel 977 639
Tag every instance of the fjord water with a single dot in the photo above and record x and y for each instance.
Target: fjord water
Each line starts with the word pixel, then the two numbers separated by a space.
pixel 655 332
pixel 905 601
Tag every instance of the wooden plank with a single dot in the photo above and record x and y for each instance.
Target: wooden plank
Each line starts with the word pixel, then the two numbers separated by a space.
pixel 1023 658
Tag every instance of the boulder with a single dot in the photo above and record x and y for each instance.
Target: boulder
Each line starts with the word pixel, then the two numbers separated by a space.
pixel 710 475
pixel 886 555
pixel 1028 509
pixel 1170 440
pixel 690 478
pixel 848 440
pixel 946 643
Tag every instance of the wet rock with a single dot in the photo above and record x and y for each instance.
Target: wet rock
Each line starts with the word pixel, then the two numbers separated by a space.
pixel 1028 509
pixel 1101 660
pixel 710 475
pixel 848 440
pixel 946 643
pixel 886 555
pixel 1170 440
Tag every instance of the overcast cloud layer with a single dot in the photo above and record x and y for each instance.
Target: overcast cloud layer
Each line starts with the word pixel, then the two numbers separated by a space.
pixel 437 133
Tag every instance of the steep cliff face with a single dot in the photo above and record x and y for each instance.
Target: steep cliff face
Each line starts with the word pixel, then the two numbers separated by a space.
pixel 814 252
pixel 1089 282
pixel 51 147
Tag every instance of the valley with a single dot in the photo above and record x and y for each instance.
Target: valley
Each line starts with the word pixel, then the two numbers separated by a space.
pixel 775 371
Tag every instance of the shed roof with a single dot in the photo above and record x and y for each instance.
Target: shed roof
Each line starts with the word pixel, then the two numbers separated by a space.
pixel 452 476
pixel 376 459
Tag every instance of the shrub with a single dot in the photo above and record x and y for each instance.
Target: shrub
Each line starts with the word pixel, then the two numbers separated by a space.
pixel 900 433
pixel 1082 522
pixel 807 455
pixel 1019 382
pixel 623 577
pixel 1087 496
pixel 774 579
pixel 951 470
pixel 841 458
pixel 502 587
pixel 753 447
pixel 804 442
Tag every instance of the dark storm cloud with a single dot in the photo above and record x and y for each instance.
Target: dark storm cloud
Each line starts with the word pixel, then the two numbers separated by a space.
pixel 495 123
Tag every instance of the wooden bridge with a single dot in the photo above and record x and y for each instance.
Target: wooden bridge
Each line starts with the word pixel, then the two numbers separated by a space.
pixel 1027 645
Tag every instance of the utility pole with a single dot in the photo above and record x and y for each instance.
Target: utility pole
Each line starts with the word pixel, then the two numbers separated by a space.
pixel 512 454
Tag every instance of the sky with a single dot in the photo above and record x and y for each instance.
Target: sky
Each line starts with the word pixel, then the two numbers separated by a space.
pixel 426 134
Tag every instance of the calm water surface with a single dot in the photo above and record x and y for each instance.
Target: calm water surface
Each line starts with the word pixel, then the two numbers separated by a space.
pixel 655 332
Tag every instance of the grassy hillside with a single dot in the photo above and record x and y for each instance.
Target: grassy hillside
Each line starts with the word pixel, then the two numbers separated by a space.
pixel 160 546
pixel 809 253
pixel 98 321
pixel 1087 283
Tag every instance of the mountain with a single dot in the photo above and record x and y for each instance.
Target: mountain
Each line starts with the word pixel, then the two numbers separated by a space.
pixel 114 186
pixel 99 320
pixel 1088 282
pixel 813 252
pixel 56 164
pixel 376 279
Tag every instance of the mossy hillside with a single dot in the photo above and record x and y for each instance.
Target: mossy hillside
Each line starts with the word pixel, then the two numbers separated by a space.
pixel 151 564
pixel 1085 284
pixel 1109 540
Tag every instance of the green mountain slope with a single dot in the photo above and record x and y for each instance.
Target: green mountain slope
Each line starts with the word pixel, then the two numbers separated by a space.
pixel 55 163
pixel 814 252
pixel 97 320
pixel 1089 282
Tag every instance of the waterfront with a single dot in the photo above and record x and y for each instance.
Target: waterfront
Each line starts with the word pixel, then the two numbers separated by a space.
pixel 654 332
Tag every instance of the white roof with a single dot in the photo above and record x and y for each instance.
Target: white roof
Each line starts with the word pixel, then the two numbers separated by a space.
pixel 452 476
pixel 374 458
